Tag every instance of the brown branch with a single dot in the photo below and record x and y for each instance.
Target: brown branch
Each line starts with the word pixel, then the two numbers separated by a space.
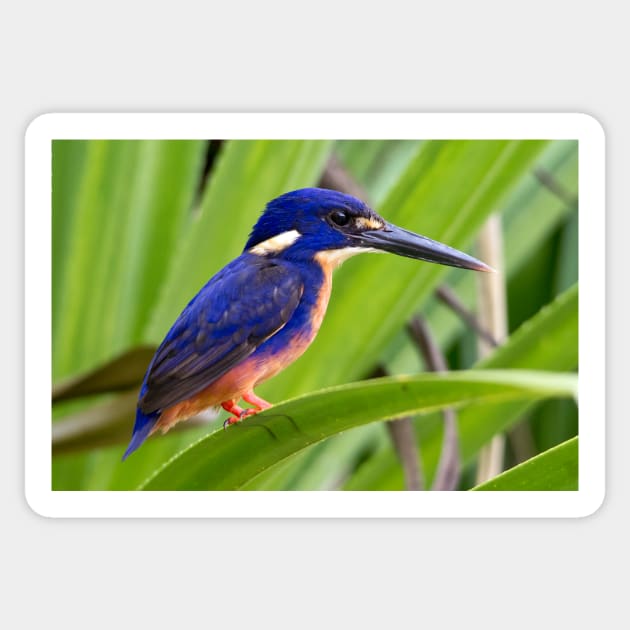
pixel 337 177
pixel 106 423
pixel 520 436
pixel 118 374
pixel 448 297
pixel 404 439
pixel 403 436
pixel 447 474
pixel 549 181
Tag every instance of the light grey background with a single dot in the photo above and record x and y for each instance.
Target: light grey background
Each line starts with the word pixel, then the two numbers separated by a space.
pixel 270 56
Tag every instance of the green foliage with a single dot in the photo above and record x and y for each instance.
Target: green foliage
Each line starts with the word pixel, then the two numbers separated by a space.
pixel 119 209
pixel 527 348
pixel 555 469
pixel 139 226
pixel 226 460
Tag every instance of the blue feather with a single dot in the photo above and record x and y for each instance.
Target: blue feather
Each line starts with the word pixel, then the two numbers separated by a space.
pixel 143 425
pixel 142 428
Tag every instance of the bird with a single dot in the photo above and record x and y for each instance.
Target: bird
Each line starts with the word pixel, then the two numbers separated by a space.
pixel 262 310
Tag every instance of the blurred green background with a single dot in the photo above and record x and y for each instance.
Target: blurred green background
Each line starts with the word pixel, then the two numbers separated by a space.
pixel 139 226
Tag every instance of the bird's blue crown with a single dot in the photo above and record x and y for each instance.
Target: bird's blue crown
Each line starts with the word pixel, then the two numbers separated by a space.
pixel 304 210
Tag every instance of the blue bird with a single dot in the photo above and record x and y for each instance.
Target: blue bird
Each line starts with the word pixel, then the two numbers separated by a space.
pixel 262 310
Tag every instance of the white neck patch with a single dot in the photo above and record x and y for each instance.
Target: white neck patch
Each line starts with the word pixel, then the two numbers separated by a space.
pixel 276 244
pixel 334 257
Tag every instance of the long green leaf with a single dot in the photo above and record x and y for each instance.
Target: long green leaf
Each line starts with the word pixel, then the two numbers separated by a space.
pixel 228 459
pixel 377 164
pixel 122 372
pixel 549 341
pixel 118 207
pixel 555 469
pixel 531 213
pixel 324 466
pixel 69 163
pixel 102 469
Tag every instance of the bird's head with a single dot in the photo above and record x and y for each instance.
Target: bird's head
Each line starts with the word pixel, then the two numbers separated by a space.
pixel 329 226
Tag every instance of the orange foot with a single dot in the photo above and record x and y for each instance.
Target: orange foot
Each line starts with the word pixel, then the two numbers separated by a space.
pixel 259 403
pixel 239 413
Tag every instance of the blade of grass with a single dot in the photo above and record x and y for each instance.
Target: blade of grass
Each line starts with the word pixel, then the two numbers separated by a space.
pixel 127 195
pixel 102 469
pixel 549 341
pixel 69 159
pixel 531 214
pixel 377 164
pixel 228 459
pixel 555 469
pixel 334 463
pixel 122 372
pixel 448 468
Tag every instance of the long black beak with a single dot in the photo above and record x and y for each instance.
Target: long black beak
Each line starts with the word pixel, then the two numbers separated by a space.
pixel 404 243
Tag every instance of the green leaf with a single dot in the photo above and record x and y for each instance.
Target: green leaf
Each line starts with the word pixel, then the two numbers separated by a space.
pixel 323 466
pixel 548 341
pixel 530 215
pixel 555 469
pixel 123 372
pixel 553 422
pixel 226 460
pixel 118 207
pixel 567 259
pixel 377 164
pixel 102 469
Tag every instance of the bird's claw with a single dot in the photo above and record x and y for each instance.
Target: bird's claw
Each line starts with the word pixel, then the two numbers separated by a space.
pixel 241 416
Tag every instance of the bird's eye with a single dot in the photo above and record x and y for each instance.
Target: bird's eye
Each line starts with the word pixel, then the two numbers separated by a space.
pixel 340 217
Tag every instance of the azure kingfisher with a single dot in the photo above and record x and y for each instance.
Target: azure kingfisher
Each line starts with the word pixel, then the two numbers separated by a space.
pixel 262 310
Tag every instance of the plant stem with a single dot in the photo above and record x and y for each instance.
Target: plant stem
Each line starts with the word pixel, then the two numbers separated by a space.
pixel 447 474
pixel 337 177
pixel 493 318
pixel 403 437
pixel 447 296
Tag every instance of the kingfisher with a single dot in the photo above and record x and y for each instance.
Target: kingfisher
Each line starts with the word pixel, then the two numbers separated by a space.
pixel 262 310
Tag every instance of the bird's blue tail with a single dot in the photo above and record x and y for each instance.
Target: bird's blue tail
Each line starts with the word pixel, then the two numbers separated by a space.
pixel 141 429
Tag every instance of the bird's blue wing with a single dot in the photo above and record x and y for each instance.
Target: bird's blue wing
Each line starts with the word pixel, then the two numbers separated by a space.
pixel 239 309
